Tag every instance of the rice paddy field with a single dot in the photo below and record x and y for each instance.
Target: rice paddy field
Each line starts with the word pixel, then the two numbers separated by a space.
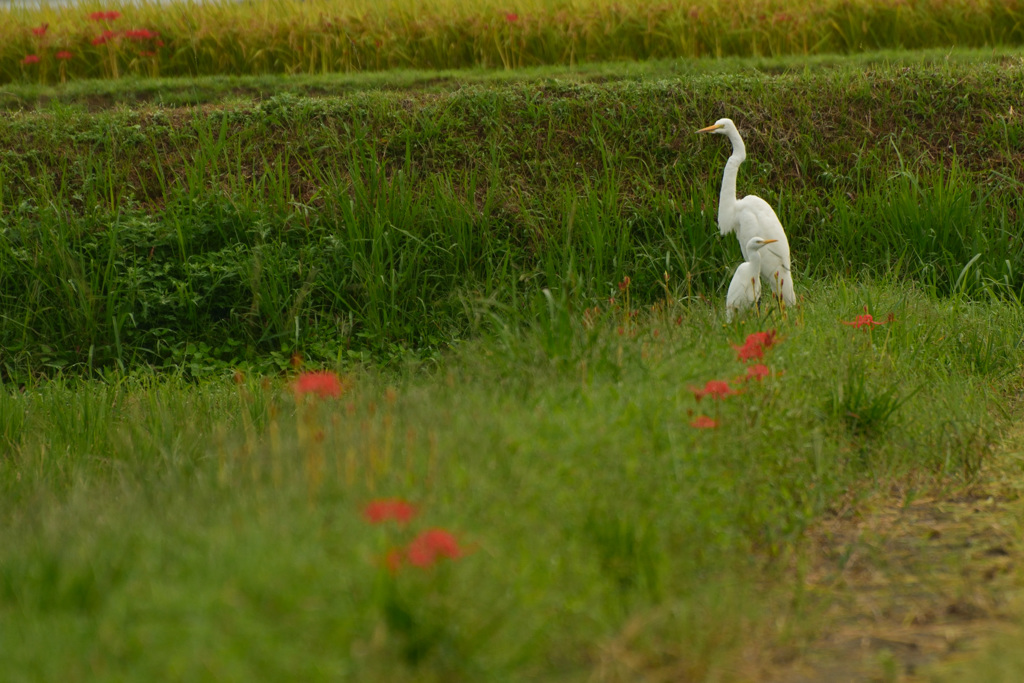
pixel 56 43
pixel 387 342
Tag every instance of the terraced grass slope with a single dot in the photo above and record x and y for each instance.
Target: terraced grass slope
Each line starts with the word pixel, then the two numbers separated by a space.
pixel 382 220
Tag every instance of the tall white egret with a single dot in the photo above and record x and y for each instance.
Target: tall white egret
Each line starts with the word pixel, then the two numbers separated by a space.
pixel 745 288
pixel 752 217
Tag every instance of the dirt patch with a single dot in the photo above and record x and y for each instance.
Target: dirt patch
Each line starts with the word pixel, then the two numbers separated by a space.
pixel 907 585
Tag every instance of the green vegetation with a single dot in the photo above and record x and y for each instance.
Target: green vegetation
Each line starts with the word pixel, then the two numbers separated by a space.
pixel 381 222
pixel 520 278
pixel 95 94
pixel 214 531
pixel 56 44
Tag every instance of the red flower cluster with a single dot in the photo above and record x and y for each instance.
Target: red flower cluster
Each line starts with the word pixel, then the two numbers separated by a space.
pixel 105 16
pixel 757 372
pixel 323 383
pixel 715 388
pixel 140 34
pixel 431 546
pixel 30 59
pixel 755 346
pixel 704 422
pixel 379 511
pixel 425 550
pixel 104 37
pixel 752 349
pixel 511 17
pixel 865 321
pixel 40 30
pixel 64 54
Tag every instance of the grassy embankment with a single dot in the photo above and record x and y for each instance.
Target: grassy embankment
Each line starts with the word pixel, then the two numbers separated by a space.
pixel 158 525
pixel 383 221
pixel 329 36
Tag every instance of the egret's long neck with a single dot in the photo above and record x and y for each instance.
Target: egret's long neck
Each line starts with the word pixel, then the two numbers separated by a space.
pixel 727 199
pixel 754 259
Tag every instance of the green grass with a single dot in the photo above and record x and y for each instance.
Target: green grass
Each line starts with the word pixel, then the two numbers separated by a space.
pixel 156 527
pixel 379 223
pixel 458 245
pixel 1000 662
pixel 98 94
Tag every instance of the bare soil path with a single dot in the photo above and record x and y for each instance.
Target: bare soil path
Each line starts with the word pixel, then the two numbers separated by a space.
pixel 913 586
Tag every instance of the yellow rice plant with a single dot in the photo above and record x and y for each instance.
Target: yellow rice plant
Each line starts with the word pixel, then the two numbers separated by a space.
pixel 325 36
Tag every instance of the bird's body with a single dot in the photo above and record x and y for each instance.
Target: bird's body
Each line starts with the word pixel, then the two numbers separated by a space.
pixel 751 217
pixel 745 288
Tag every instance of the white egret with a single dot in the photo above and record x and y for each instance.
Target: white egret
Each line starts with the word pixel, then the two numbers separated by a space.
pixel 752 217
pixel 745 288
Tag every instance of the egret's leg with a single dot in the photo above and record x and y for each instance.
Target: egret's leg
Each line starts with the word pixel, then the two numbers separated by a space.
pixel 754 294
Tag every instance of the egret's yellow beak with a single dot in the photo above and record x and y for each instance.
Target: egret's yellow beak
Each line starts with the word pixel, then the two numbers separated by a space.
pixel 710 128
pixel 770 241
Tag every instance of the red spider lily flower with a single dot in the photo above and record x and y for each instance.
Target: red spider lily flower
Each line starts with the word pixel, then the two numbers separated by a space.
pixel 704 422
pixel 511 17
pixel 379 511
pixel 64 54
pixel 322 383
pixel 757 372
pixel 104 37
pixel 765 339
pixel 864 321
pixel 755 346
pixel 147 53
pixel 431 546
pixel 749 352
pixel 105 16
pixel 140 34
pixel 715 388
pixel 159 43
pixel 41 29
pixel 30 59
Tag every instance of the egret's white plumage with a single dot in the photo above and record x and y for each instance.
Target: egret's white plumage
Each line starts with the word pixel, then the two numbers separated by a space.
pixel 745 288
pixel 751 217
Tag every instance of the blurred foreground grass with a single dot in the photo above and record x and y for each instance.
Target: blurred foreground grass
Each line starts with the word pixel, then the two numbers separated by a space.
pixel 152 527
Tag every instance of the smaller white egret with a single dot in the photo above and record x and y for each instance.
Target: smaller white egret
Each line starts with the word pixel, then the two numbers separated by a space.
pixel 745 288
